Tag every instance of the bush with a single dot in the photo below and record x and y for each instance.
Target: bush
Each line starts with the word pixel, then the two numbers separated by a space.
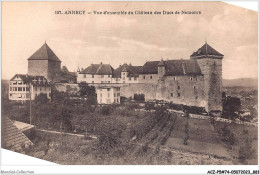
pixel 41 99
pixel 139 97
pixel 106 110
pixel 187 137
pixel 227 135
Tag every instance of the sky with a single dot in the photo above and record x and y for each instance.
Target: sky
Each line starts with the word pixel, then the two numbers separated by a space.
pixel 81 40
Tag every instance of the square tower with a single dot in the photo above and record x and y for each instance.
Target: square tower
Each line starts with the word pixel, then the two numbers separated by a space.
pixel 45 63
pixel 210 63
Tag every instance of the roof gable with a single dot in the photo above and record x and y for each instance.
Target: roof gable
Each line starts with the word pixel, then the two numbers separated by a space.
pixel 12 137
pixel 34 80
pixel 133 71
pixel 172 67
pixel 99 69
pixel 206 51
pixel 44 53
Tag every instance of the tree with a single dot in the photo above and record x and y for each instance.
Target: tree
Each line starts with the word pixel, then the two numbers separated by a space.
pixel 89 92
pixel 230 106
pixel 246 150
pixel 41 99
pixel 187 137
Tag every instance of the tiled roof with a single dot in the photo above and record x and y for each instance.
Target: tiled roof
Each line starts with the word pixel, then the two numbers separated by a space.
pixel 34 80
pixel 173 67
pixel 133 71
pixel 206 50
pixel 98 69
pixel 44 53
pixel 12 138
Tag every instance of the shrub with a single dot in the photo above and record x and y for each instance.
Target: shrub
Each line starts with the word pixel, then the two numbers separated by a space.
pixel 41 99
pixel 106 110
pixel 187 137
pixel 139 97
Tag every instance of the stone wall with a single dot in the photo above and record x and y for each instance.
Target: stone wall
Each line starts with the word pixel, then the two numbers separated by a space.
pixel 38 67
pixel 187 90
pixel 53 70
pixel 212 71
pixel 149 90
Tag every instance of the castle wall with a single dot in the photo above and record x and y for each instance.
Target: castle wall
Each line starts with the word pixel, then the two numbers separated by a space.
pixel 212 71
pixel 38 67
pixel 149 90
pixel 54 69
pixel 187 90
pixel 148 78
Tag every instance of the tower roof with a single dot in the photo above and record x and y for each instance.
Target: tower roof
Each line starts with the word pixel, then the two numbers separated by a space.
pixel 161 63
pixel 206 51
pixel 44 53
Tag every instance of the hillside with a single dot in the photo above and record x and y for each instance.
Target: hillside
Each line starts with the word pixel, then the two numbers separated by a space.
pixel 242 82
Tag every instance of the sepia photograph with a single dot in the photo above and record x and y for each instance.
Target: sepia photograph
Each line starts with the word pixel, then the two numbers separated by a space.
pixel 130 83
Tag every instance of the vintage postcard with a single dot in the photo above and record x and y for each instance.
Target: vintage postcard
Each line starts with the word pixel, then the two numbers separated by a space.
pixel 130 83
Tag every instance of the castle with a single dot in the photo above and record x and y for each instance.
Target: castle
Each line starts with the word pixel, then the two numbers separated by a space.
pixel 194 82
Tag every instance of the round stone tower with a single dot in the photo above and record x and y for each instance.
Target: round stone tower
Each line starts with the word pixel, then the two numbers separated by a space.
pixel 210 63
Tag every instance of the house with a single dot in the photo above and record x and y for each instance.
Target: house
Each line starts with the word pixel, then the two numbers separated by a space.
pixel 45 63
pixel 108 94
pixel 12 138
pixel 126 74
pixel 25 87
pixel 96 73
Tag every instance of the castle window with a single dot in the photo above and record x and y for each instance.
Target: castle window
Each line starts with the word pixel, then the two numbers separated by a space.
pixel 101 82
pixel 171 94
pixel 40 89
pixel 27 88
pixel 15 88
pixel 10 89
pixel 135 78
pixel 93 75
pixel 123 73
pixel 123 81
pixel 179 94
pixel 114 94
pixel 179 87
pixel 20 89
pixel 191 78
pixel 123 78
pixel 130 78
pixel 102 76
pixel 108 76
pixel 108 81
pixel 92 82
pixel 23 88
pixel 174 78
pixel 84 75
pixel 151 77
pixel 144 76
pixel 117 100
pixel 118 94
pixel 108 89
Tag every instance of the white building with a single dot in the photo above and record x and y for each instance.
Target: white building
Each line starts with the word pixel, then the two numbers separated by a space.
pixel 22 86
pixel 126 74
pixel 108 95
pixel 105 74
pixel 96 74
